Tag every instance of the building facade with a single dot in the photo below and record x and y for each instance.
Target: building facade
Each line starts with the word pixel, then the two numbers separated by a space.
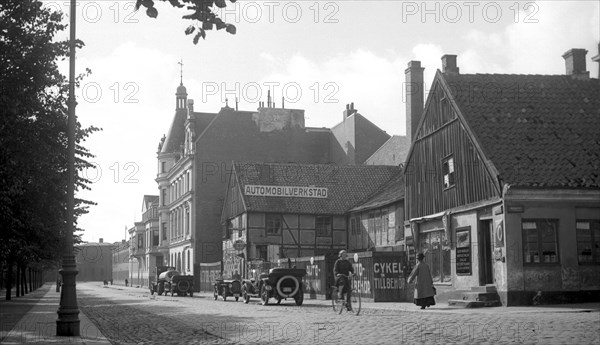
pixel 502 183
pixel 120 262
pixel 94 261
pixel 195 162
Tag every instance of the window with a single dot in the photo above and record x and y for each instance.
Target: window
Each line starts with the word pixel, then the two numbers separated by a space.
pixel 164 196
pixel 385 220
pixel 261 252
pixel 273 224
pixel 436 248
pixel 163 167
pixel 155 237
pixel 140 241
pixel 323 225
pixel 353 226
pixel 588 241
pixel 188 260
pixel 164 230
pixel 540 245
pixel 448 172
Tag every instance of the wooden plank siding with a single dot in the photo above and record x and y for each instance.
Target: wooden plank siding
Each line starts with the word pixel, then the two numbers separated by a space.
pixel 440 135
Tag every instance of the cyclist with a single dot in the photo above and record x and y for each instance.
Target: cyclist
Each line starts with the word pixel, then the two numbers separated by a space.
pixel 342 270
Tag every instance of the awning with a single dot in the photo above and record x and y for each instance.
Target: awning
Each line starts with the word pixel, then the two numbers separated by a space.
pixel 429 217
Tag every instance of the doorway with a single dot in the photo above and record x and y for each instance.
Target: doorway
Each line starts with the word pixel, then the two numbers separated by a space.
pixel 486 273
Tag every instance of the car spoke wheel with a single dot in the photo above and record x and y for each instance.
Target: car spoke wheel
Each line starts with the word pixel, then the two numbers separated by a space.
pixel 264 296
pixel 299 298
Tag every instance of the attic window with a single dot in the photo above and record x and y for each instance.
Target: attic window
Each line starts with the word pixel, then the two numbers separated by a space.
pixel 448 172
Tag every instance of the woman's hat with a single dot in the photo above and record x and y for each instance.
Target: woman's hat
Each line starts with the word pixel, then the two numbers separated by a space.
pixel 420 256
pixel 341 252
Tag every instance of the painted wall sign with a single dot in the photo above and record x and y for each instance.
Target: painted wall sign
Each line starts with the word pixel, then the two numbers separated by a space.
pixel 463 252
pixel 286 191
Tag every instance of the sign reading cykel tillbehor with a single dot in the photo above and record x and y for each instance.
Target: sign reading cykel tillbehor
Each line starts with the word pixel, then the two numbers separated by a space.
pixel 286 191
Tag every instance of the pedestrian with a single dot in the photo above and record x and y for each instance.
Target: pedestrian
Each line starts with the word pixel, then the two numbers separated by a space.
pixel 126 282
pixel 424 290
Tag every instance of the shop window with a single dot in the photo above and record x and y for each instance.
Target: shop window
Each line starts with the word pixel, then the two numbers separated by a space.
pixel 588 241
pixel 273 224
pixel 448 172
pixel 323 225
pixel 540 245
pixel 436 248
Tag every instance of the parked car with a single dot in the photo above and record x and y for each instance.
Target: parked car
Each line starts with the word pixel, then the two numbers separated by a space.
pixel 168 280
pixel 228 288
pixel 279 283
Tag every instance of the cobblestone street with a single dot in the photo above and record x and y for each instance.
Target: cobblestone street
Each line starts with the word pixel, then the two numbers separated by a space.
pixel 133 316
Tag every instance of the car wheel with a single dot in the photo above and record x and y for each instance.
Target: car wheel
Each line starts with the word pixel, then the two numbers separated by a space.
pixel 245 295
pixel 264 296
pixel 299 298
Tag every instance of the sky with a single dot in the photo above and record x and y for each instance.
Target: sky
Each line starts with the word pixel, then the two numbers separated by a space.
pixel 318 55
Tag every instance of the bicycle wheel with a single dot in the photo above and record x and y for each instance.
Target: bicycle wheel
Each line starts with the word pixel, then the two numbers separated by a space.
pixel 336 303
pixel 356 304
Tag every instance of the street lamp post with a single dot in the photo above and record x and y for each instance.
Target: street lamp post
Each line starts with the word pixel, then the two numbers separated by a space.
pixel 67 323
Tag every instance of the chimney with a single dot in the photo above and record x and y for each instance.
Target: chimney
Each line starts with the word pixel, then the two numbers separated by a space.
pixel 122 241
pixel 597 59
pixel 190 105
pixel 414 97
pixel 101 240
pixel 449 65
pixel 575 63
pixel 349 110
pixel 268 98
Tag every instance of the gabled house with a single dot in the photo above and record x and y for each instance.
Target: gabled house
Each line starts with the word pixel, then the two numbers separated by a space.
pixel 275 211
pixel 503 183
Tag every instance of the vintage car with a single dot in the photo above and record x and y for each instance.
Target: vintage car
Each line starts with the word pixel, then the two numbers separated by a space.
pixel 228 288
pixel 279 283
pixel 168 280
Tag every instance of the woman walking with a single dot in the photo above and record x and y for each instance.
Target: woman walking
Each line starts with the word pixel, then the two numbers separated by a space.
pixel 424 290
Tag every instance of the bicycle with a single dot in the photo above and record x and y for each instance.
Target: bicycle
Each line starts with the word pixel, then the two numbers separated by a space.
pixel 340 304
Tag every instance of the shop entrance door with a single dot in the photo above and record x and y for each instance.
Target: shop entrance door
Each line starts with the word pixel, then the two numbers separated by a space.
pixel 486 273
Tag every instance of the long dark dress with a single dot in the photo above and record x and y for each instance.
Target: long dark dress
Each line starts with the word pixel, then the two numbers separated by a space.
pixel 423 285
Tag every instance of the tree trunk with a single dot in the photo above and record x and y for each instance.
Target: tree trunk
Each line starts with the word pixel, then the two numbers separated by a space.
pixel 9 280
pixel 18 282
pixel 30 279
pixel 24 290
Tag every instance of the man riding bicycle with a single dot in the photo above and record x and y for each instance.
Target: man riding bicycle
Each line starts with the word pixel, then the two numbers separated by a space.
pixel 342 269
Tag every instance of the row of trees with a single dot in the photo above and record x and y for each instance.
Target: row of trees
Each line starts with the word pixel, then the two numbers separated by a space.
pixel 33 139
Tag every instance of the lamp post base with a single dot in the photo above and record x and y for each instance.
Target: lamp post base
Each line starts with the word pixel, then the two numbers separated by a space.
pixel 68 313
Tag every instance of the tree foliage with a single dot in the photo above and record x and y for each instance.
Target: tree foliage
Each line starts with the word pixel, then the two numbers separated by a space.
pixel 202 14
pixel 33 135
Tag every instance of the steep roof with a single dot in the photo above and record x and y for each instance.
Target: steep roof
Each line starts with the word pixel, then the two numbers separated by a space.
pixel 392 191
pixel 347 185
pixel 176 135
pixel 537 130
pixel 392 152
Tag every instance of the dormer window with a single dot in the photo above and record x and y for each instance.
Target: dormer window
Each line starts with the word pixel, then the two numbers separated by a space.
pixel 448 172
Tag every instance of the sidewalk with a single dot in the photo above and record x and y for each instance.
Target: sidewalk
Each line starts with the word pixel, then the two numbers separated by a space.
pixel 38 322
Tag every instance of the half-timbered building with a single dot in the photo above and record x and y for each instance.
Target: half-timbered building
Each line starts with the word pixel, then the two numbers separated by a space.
pixel 276 211
pixel 503 184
